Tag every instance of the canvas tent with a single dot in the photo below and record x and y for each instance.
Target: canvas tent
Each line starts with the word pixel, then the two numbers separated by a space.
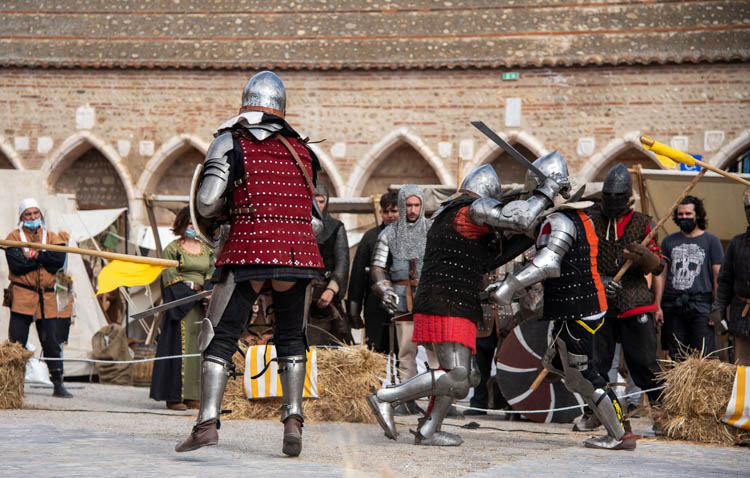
pixel 60 215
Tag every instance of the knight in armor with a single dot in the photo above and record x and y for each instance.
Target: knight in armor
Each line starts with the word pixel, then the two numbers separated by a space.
pixel 260 174
pixel 630 303
pixel 328 324
pixel 395 272
pixel 574 298
pixel 472 233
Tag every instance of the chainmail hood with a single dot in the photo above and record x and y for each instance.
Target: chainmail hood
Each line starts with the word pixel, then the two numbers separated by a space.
pixel 407 240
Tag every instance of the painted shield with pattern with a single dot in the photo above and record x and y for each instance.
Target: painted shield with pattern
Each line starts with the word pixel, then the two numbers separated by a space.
pixel 518 365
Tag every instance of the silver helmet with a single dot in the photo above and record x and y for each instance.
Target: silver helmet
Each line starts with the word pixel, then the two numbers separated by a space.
pixel 264 92
pixel 616 191
pixel 483 181
pixel 553 166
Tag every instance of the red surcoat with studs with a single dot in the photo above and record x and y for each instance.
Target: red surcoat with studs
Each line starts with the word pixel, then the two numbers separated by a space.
pixel 271 209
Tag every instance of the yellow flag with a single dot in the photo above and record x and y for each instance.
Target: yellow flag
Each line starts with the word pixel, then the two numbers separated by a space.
pixel 125 274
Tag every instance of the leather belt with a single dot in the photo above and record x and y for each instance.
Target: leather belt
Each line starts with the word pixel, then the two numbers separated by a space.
pixel 747 305
pixel 412 283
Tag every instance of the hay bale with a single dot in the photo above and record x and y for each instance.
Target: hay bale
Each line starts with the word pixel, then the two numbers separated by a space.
pixel 13 358
pixel 345 377
pixel 696 397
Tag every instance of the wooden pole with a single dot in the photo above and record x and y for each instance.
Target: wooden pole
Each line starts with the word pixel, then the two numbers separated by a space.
pixel 90 252
pixel 149 202
pixel 681 157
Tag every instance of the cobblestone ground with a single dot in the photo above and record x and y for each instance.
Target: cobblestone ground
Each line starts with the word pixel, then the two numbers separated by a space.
pixel 118 431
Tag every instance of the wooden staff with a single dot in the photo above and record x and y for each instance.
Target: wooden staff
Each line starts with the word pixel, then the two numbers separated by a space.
pixel 644 242
pixel 154 261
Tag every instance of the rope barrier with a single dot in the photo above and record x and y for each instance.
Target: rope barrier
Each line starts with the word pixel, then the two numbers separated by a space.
pixel 151 359
pixel 572 407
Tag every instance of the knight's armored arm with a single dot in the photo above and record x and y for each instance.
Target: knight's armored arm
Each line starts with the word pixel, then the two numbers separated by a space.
pixel 381 284
pixel 516 216
pixel 546 262
pixel 215 177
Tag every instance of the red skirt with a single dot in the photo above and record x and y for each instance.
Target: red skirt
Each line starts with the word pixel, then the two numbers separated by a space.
pixel 438 329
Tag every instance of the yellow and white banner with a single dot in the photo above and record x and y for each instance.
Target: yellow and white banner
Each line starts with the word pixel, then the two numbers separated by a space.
pixel 738 409
pixel 268 385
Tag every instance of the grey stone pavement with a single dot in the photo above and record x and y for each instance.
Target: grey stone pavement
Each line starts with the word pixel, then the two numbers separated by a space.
pixel 117 431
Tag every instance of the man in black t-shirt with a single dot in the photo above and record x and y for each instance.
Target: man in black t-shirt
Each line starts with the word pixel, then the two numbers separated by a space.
pixel 686 289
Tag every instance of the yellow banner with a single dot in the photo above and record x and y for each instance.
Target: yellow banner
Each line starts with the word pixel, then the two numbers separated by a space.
pixel 126 274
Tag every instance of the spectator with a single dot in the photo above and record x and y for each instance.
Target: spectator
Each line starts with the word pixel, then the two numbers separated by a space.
pixel 734 290
pixel 177 381
pixel 686 289
pixel 327 324
pixel 376 319
pixel 33 274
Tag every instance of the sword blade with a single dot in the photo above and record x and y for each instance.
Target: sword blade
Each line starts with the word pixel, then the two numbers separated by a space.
pixel 508 148
pixel 171 305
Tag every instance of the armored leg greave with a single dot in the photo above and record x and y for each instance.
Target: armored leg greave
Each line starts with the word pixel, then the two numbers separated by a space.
pixel 292 374
pixel 214 374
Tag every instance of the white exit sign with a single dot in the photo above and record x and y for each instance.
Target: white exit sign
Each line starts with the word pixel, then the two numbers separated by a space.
pixel 510 76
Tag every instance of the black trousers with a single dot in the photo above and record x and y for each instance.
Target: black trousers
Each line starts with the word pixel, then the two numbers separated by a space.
pixel 579 340
pixel 377 324
pixel 485 354
pixel 288 331
pixel 637 335
pixel 52 334
pixel 686 328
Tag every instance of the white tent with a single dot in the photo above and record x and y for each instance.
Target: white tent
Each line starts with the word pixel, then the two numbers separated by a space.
pixel 60 215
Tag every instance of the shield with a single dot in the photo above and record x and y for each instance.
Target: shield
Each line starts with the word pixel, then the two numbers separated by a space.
pixel 197 220
pixel 519 363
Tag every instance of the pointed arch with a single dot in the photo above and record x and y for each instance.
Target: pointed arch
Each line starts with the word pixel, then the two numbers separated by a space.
pixel 76 145
pixel 730 150
pixel 10 153
pixel 364 168
pixel 490 150
pixel 614 148
pixel 331 170
pixel 164 157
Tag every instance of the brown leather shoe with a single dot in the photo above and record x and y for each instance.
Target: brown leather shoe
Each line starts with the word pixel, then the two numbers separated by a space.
pixel 195 404
pixel 292 436
pixel 176 406
pixel 203 434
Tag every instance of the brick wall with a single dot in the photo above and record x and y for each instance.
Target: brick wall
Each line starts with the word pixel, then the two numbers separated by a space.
pixel 132 116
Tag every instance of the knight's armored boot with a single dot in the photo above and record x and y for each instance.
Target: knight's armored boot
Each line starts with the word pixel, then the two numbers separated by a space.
pixel 429 432
pixel 384 402
pixel 214 375
pixel 292 373
pixel 607 409
pixel 57 382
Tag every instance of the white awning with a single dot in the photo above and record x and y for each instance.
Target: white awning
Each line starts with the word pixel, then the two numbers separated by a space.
pixel 83 225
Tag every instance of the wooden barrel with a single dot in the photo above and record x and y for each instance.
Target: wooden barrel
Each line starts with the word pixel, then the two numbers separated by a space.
pixel 142 370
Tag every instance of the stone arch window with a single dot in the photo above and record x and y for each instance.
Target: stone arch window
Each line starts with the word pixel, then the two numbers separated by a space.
pixel 401 165
pixel 508 169
pixel 5 162
pixel 735 156
pixel 629 157
pixel 93 179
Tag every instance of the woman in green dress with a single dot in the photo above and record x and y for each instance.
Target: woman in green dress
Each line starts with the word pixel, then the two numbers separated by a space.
pixel 177 381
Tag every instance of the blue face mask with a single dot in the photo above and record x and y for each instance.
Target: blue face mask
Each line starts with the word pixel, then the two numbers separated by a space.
pixel 33 225
pixel 190 233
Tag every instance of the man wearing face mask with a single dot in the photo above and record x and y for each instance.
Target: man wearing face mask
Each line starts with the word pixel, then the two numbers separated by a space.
pixel 33 274
pixel 630 303
pixel 734 290
pixel 686 289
